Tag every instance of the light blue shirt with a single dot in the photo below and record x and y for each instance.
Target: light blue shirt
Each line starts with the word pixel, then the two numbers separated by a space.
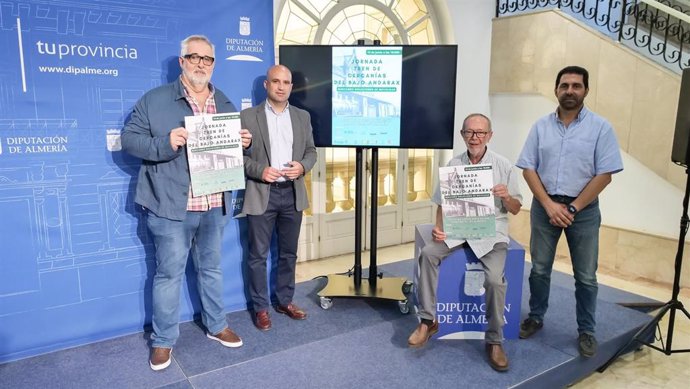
pixel 280 137
pixel 566 159
pixel 504 173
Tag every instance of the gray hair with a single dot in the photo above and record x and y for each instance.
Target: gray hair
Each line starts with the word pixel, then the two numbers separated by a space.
pixel 473 115
pixel 184 45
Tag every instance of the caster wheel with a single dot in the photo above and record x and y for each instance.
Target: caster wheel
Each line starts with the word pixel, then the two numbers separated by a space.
pixel 407 287
pixel 404 309
pixel 326 302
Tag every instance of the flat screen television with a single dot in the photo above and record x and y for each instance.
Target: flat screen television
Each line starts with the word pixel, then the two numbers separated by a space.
pixel 376 96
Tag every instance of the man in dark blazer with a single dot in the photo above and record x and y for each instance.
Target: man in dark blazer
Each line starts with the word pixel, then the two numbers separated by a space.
pixel 282 152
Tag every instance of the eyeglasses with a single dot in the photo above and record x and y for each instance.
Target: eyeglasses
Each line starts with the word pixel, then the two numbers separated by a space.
pixel 469 134
pixel 195 58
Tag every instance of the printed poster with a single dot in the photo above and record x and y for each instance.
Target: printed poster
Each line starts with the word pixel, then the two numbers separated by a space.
pixel 367 84
pixel 214 152
pixel 467 202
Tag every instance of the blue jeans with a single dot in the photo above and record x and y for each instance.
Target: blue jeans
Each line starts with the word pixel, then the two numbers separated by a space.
pixel 583 242
pixel 202 233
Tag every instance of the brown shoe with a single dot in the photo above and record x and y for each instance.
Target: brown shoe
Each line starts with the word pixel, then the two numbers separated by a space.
pixel 497 357
pixel 292 310
pixel 262 320
pixel 227 338
pixel 160 358
pixel 422 334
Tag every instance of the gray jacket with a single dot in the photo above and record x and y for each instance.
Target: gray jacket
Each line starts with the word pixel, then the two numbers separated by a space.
pixel 163 182
pixel 259 156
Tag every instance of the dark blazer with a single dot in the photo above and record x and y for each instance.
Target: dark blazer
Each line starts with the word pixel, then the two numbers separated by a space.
pixel 259 156
pixel 163 183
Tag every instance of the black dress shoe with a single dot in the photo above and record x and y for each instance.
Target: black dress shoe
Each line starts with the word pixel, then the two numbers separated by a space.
pixel 529 327
pixel 587 345
pixel 262 320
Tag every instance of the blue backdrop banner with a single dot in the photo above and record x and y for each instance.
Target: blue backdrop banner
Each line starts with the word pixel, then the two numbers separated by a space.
pixel 76 263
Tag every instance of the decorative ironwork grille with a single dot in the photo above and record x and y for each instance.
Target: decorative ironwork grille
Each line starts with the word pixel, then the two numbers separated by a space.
pixel 661 27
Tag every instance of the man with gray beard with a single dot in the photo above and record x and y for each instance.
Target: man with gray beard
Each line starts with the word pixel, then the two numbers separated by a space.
pixel 178 222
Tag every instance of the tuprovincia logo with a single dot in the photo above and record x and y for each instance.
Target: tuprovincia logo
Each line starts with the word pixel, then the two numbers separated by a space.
pixel 243 47
pixel 63 50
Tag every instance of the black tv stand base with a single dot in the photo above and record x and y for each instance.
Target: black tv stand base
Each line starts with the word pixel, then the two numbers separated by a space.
pixel 391 288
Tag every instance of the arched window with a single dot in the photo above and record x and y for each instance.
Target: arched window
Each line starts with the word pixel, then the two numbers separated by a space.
pixel 345 22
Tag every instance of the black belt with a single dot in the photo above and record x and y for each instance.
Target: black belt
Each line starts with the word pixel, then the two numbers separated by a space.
pixel 281 184
pixel 562 199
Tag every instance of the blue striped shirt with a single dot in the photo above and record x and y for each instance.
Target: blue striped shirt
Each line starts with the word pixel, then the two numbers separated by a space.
pixel 566 159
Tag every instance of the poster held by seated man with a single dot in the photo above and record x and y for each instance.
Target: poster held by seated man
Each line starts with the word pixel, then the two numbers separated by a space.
pixel 467 202
pixel 491 251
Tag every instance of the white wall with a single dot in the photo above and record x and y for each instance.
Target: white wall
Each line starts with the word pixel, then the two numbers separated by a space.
pixel 472 29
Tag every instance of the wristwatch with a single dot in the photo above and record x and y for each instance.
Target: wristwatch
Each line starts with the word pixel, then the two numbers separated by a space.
pixel 572 209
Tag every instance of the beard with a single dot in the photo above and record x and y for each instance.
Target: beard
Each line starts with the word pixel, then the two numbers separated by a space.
pixel 196 79
pixel 569 102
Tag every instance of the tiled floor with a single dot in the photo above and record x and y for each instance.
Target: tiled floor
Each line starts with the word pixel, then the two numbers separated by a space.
pixel 646 368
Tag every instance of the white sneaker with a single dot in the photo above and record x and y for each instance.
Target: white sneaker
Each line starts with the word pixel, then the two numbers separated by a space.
pixel 227 338
pixel 160 358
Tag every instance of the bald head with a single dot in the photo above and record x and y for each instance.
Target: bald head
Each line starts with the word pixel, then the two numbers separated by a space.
pixel 278 86
pixel 278 68
pixel 477 115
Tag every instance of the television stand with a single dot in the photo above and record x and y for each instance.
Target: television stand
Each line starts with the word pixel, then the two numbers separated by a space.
pixel 375 286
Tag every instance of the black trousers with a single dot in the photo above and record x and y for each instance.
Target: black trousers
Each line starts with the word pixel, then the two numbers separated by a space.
pixel 282 216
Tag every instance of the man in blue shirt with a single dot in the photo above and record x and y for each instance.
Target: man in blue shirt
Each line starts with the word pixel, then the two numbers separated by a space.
pixel 567 160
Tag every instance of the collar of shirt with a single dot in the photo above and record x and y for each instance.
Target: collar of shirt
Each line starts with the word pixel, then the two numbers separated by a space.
pixel 210 105
pixel 270 108
pixel 466 157
pixel 580 116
